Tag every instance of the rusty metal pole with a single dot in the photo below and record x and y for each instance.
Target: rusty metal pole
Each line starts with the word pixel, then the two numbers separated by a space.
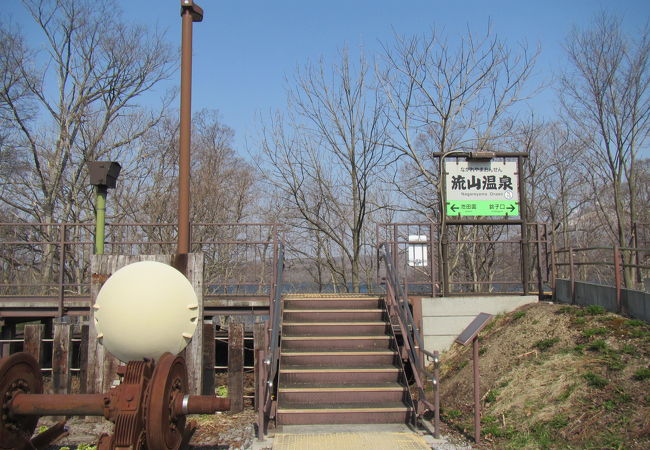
pixel 617 278
pixel 395 250
pixel 635 245
pixel 540 287
pixel 261 394
pixel 553 274
pixel 477 393
pixel 572 275
pixel 430 257
pixel 523 213
pixel 57 405
pixel 436 394
pixel 190 12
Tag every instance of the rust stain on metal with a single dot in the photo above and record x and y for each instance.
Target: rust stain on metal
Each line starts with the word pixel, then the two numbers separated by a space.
pixel 100 278
pixel 149 407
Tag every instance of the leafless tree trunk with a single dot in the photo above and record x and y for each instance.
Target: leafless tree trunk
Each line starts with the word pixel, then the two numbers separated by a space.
pixel 606 95
pixel 445 98
pixel 81 100
pixel 326 157
pixel 73 102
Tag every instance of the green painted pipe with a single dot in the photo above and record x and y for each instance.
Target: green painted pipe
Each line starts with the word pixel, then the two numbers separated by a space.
pixel 100 219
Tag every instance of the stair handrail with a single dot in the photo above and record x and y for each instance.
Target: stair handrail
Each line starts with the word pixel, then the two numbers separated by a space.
pixel 398 306
pixel 272 354
pixel 276 313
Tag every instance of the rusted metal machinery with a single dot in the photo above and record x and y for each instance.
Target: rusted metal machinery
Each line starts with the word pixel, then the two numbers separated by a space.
pixel 148 407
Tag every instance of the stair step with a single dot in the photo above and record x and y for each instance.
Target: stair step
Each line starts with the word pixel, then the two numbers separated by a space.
pixel 328 357
pixel 342 407
pixel 360 342
pixel 306 368
pixel 348 387
pixel 331 413
pixel 344 374
pixel 333 328
pixel 335 296
pixel 300 393
pixel 333 303
pixel 333 315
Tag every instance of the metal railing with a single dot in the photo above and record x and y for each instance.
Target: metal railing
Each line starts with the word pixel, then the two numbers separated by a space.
pixel 266 378
pixel 481 259
pixel 412 345
pixel 49 263
pixel 603 265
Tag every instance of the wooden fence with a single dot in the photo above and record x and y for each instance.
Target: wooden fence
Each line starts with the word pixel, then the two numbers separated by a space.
pixel 63 354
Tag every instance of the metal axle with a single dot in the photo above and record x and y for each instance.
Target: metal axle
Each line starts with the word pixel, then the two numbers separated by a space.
pixel 95 405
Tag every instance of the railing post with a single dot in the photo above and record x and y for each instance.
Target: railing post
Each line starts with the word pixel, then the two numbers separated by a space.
pixel 525 273
pixel 635 244
pixel 540 288
pixel 259 330
pixel 553 264
pixel 261 393
pixel 523 212
pixel 572 276
pixel 436 394
pixel 395 251
pixel 433 269
pixel 274 284
pixel 477 392
pixel 445 264
pixel 617 277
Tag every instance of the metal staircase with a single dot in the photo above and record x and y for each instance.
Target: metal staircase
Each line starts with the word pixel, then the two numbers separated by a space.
pixel 339 363
pixel 335 359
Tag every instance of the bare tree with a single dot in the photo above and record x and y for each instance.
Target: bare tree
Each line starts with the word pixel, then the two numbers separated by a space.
pixel 446 97
pixel 75 101
pixel 13 96
pixel 70 102
pixel 556 186
pixel 606 95
pixel 326 158
pixel 223 186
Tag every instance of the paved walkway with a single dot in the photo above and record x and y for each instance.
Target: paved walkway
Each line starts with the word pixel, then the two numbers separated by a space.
pixel 344 437
pixel 344 441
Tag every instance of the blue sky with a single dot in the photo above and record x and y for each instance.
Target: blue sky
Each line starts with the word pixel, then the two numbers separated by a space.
pixel 245 50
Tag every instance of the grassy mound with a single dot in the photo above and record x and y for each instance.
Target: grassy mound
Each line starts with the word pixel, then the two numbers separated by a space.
pixel 555 376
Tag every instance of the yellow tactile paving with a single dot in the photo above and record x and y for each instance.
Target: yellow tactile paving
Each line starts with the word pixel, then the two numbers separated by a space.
pixel 351 441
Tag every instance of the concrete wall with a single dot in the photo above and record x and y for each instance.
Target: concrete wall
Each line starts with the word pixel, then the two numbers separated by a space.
pixel 635 304
pixel 444 318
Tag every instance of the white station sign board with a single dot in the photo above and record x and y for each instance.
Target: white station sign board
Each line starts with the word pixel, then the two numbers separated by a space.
pixel 481 188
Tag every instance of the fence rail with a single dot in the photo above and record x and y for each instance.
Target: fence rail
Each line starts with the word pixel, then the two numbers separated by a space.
pixel 482 259
pixel 619 267
pixel 61 352
pixel 43 263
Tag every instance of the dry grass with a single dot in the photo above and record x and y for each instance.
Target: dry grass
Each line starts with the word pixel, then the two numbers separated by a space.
pixel 555 377
pixel 224 430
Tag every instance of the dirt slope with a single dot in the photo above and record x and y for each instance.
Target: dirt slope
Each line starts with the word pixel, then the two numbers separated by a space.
pixel 555 376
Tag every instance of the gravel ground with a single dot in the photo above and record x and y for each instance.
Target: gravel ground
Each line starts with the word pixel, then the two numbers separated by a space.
pixel 221 431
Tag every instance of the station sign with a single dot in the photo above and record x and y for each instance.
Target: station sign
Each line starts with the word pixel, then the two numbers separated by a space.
pixel 481 188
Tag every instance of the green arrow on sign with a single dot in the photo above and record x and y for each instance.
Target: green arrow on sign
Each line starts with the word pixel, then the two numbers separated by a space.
pixel 483 208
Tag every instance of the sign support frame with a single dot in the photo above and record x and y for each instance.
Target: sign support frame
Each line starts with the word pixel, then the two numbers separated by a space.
pixel 460 220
